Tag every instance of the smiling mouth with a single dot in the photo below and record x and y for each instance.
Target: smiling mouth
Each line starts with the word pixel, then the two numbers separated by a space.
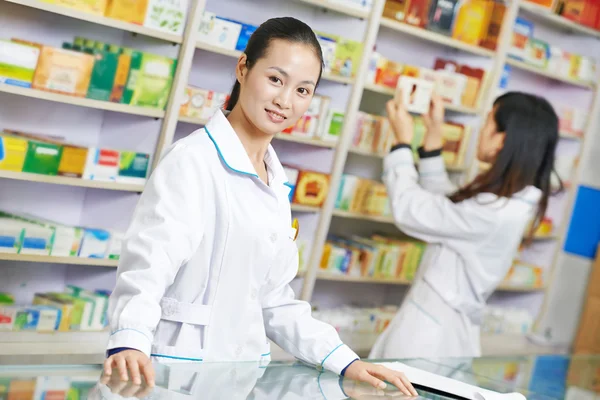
pixel 275 115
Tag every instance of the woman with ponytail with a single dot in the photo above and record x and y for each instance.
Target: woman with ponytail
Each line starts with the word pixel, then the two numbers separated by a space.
pixel 474 232
pixel 206 264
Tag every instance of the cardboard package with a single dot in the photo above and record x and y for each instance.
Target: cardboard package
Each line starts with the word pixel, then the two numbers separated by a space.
pixel 588 336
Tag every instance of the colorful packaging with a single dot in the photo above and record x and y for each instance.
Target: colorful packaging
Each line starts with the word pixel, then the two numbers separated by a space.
pixel 331 130
pixel 133 11
pixel 308 125
pixel 17 63
pixel 13 151
pixel 153 84
pixel 346 192
pixel 537 53
pixel 72 161
pixel 94 243
pixel 522 32
pixel 456 139
pixel 451 85
pixel 11 235
pixel 99 306
pixel 102 165
pixel 472 21
pixel 219 32
pixel 133 167
pixel 347 57
pixel 38 319
pixel 65 307
pixel 245 33
pixel 395 9
pixel 388 72
pixel 166 15
pixel 121 75
pixel 202 103
pixel 6 299
pixel 97 7
pixel 63 71
pixel 473 84
pixel 329 49
pixel 42 158
pixel 311 188
pixel 66 241
pixel 415 94
pixel 103 74
pixel 134 58
pixel 441 16
pixel 417 12
pixel 8 316
pixel 490 40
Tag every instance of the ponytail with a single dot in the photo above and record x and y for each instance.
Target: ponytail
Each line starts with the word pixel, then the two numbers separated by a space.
pixel 234 96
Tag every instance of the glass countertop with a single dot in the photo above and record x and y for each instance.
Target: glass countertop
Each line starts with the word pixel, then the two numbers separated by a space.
pixel 548 377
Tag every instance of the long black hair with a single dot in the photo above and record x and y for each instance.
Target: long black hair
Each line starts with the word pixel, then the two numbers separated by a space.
pixel 286 28
pixel 527 157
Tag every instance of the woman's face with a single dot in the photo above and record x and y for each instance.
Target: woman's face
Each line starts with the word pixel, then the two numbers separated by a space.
pixel 490 140
pixel 278 89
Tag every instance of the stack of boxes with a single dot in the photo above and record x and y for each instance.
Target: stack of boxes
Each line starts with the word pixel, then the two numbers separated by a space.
pixel 38 154
pixel 75 309
pixel 26 234
pixel 91 69
pixel 378 257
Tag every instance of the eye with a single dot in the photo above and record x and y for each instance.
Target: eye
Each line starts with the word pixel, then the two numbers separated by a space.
pixel 303 91
pixel 275 79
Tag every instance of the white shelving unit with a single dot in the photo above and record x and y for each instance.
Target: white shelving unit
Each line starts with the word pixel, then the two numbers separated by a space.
pixel 190 50
pixel 82 102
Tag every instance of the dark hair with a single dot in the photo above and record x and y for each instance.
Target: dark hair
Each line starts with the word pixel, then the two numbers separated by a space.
pixel 527 157
pixel 286 28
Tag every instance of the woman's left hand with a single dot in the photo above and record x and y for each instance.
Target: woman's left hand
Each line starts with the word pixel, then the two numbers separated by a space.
pixel 375 375
pixel 400 121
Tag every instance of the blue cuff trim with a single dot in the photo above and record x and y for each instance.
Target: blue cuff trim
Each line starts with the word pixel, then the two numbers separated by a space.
pixel 332 351
pixel 111 352
pixel 344 370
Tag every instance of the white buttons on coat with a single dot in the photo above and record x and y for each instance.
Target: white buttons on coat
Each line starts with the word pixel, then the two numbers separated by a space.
pixel 273 237
pixel 254 294
pixel 239 351
pixel 169 309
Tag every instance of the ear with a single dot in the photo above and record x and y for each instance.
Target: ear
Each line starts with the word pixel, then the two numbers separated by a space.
pixel 498 142
pixel 241 70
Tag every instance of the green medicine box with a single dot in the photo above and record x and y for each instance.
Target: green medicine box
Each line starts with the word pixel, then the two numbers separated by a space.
pixel 42 158
pixel 154 81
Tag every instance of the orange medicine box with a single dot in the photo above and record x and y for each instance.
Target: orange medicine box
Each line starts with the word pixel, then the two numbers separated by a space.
pixel 311 188
pixel 63 71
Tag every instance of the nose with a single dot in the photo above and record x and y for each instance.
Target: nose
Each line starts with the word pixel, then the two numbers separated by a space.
pixel 284 99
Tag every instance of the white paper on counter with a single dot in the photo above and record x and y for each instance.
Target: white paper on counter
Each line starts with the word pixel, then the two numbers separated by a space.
pixel 448 385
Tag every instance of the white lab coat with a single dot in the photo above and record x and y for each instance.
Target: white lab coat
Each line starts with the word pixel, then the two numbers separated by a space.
pixel 471 246
pixel 206 264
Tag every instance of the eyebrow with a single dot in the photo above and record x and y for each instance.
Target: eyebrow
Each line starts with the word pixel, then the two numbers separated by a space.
pixel 285 74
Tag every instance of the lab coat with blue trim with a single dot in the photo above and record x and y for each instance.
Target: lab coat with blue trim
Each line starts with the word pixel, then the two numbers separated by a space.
pixel 206 263
pixel 470 248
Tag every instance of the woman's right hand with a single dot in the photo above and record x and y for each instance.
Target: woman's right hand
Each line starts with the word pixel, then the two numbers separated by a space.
pixel 434 120
pixel 133 361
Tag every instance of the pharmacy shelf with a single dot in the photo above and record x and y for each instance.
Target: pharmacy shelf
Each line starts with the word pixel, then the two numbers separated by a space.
pixel 305 209
pixel 281 136
pixel 570 136
pixel 544 238
pixel 521 289
pixel 237 54
pixel 303 140
pixel 66 181
pixel 538 71
pixel 435 37
pixel 360 279
pixel 99 20
pixel 99 262
pixel 371 87
pixel 545 15
pixel 367 153
pixel 337 7
pixel 365 217
pixel 81 101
